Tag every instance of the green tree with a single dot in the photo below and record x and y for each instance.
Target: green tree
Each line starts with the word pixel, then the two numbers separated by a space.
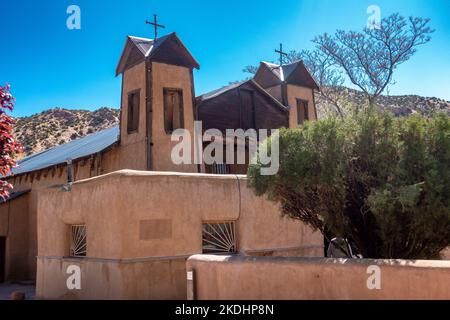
pixel 379 181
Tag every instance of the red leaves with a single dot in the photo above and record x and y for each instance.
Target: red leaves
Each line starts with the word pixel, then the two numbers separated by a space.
pixel 9 147
pixel 6 99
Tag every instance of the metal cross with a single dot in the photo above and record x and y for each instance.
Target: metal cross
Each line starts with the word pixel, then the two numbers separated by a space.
pixel 281 54
pixel 155 25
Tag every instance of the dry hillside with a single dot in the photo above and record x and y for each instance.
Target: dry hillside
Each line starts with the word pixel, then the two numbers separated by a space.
pixel 399 105
pixel 56 126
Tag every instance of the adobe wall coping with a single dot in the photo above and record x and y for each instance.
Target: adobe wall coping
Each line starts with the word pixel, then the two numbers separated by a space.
pixel 113 261
pixel 152 174
pixel 238 259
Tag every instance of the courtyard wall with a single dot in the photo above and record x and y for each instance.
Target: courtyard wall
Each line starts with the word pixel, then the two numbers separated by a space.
pixel 280 278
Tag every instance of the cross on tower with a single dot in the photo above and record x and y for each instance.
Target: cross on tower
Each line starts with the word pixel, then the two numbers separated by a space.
pixel 282 54
pixel 155 25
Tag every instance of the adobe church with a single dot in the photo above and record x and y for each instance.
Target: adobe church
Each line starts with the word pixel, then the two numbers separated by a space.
pixel 114 203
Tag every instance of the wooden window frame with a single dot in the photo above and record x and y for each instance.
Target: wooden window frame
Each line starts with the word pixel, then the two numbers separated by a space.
pixel 305 111
pixel 131 126
pixel 181 111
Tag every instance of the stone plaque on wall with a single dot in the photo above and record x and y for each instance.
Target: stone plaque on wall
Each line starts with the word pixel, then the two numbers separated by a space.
pixel 155 229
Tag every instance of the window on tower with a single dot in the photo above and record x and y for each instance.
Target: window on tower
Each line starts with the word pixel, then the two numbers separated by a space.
pixel 133 111
pixel 173 109
pixel 302 111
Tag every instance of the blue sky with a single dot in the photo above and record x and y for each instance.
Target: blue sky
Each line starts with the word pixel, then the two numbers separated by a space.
pixel 50 66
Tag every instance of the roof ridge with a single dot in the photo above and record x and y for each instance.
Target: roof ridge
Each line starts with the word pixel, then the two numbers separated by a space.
pixel 287 64
pixel 223 89
pixel 140 38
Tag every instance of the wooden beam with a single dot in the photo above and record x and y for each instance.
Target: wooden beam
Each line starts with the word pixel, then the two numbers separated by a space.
pixel 149 113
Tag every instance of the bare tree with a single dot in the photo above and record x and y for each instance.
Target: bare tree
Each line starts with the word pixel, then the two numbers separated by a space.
pixel 369 58
pixel 250 69
pixel 329 78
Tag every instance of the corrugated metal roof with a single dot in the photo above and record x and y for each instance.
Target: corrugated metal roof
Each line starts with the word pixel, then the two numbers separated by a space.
pixel 218 92
pixel 72 150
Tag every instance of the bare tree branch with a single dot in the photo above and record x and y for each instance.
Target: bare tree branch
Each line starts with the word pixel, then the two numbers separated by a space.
pixel 369 58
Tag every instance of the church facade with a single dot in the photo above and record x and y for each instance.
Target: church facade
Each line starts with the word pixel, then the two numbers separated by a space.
pixel 115 204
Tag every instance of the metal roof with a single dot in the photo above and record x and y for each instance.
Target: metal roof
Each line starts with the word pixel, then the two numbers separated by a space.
pixel 73 150
pixel 143 44
pixel 291 70
pixel 218 92
pixel 285 70
pixel 148 48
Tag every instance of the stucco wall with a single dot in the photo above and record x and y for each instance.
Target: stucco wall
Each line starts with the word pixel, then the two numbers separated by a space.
pixel 14 225
pixel 175 77
pixel 114 205
pixel 143 215
pixel 113 279
pixel 294 93
pixel 25 210
pixel 133 145
pixel 277 278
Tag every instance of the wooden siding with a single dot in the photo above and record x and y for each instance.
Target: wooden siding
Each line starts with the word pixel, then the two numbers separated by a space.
pixel 226 110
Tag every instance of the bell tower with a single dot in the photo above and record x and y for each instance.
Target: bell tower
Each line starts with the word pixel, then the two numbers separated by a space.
pixel 157 98
pixel 292 85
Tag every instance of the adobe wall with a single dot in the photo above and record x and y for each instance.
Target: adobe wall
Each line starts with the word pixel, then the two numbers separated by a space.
pixel 25 207
pixel 175 77
pixel 118 207
pixel 294 93
pixel 145 215
pixel 149 279
pixel 278 278
pixel 14 225
pixel 132 152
